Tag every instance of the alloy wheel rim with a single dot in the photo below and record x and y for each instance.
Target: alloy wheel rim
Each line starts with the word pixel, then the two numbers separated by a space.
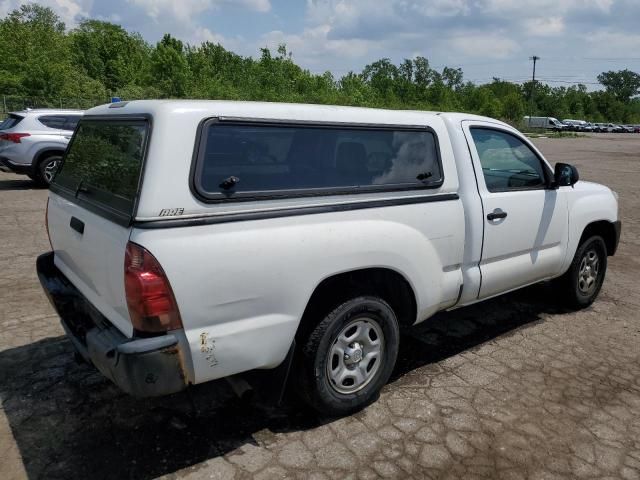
pixel 50 170
pixel 355 356
pixel 588 272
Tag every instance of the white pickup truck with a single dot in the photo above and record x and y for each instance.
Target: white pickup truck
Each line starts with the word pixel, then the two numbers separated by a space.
pixel 194 240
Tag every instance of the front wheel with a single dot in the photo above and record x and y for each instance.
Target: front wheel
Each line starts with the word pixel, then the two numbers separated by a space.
pixel 581 284
pixel 349 356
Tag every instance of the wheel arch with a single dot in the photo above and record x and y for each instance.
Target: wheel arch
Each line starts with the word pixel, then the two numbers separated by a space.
pixel 383 282
pixel 44 153
pixel 606 230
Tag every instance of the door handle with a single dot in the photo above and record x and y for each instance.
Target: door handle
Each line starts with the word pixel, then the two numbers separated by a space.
pixel 496 214
pixel 77 225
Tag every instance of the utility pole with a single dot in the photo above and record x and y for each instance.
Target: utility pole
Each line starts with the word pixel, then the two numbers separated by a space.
pixel 535 58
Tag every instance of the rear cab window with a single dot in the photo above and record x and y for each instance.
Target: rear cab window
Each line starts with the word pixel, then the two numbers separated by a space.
pixel 239 160
pixel 102 166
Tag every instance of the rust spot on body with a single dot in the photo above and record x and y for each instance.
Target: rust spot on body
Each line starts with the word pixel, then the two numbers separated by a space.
pixel 207 346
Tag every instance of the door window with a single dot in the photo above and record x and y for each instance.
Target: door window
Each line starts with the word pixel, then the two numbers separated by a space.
pixel 507 162
pixel 52 121
pixel 71 122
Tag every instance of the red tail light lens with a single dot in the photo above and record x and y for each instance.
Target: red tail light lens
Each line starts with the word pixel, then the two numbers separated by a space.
pixel 13 137
pixel 152 306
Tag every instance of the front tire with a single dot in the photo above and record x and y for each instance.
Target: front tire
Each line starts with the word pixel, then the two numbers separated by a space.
pixel 581 284
pixel 349 356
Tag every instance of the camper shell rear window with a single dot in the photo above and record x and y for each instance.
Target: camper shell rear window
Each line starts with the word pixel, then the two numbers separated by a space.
pixel 102 166
pixel 243 160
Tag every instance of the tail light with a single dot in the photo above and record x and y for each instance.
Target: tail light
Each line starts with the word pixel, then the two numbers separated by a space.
pixel 152 306
pixel 46 223
pixel 13 137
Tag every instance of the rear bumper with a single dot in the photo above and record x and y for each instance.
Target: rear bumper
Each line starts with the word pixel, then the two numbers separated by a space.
pixel 142 367
pixel 7 165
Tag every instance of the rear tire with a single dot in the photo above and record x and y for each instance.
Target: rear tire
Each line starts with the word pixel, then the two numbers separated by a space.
pixel 581 284
pixel 47 168
pixel 349 356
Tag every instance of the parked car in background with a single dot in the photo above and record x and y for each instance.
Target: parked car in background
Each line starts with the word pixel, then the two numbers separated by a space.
pixel 579 125
pixel 249 235
pixel 627 128
pixel 608 128
pixel 548 123
pixel 574 125
pixel 32 141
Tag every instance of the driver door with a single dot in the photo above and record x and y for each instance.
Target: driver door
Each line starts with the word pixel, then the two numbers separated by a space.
pixel 525 221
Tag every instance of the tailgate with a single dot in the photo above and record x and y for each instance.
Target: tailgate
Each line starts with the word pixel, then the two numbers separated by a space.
pixel 91 205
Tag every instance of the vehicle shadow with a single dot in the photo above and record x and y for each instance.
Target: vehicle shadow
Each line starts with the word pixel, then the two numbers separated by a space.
pixel 68 421
pixel 22 184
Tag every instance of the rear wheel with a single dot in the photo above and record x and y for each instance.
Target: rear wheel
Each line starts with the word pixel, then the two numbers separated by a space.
pixel 349 356
pixel 581 284
pixel 47 168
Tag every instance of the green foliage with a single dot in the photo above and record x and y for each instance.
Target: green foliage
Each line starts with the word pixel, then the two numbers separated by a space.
pixel 43 62
pixel 169 70
pixel 35 52
pixel 109 54
pixel 512 107
pixel 623 84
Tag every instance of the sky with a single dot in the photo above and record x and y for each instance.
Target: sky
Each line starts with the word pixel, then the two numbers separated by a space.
pixel 575 39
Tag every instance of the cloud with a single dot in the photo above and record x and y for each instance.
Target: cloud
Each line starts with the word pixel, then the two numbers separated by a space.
pixel 183 18
pixel 186 10
pixel 482 45
pixel 70 11
pixel 485 37
pixel 202 34
pixel 601 43
pixel 544 26
pixel 257 5
pixel 315 46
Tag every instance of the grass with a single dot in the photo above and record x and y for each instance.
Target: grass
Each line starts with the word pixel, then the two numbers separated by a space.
pixel 552 134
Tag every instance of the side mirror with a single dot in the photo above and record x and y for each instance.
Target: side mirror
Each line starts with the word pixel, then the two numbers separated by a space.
pixel 565 175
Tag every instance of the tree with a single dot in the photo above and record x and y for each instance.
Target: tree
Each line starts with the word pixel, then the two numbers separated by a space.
pixel 381 76
pixel 623 84
pixel 43 64
pixel 35 54
pixel 169 67
pixel 512 107
pixel 452 77
pixel 354 89
pixel 110 54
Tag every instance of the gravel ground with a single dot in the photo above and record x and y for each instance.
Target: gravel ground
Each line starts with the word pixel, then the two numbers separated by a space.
pixel 512 388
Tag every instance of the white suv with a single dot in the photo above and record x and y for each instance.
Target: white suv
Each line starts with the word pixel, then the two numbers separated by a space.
pixel 194 240
pixel 32 142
